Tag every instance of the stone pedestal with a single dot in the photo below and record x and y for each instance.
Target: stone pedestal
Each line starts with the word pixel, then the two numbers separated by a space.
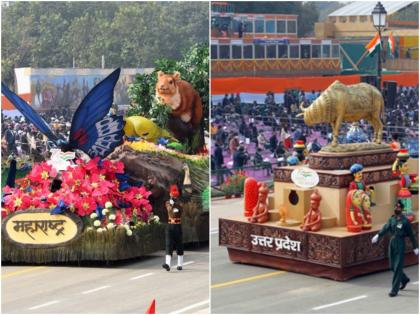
pixel 332 252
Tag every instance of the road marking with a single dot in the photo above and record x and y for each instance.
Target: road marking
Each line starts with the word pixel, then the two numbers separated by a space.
pixel 142 276
pixel 97 289
pixel 190 307
pixel 19 272
pixel 340 302
pixel 415 283
pixel 262 276
pixel 184 264
pixel 42 305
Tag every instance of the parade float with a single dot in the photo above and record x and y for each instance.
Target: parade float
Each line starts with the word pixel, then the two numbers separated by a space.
pixel 101 194
pixel 324 212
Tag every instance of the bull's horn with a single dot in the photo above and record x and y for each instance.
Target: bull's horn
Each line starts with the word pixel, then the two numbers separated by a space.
pixel 301 107
pixel 300 114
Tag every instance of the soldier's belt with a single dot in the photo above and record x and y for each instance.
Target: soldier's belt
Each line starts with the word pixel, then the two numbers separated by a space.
pixel 174 221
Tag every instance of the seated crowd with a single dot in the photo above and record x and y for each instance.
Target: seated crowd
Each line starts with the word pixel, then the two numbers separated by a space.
pixel 252 136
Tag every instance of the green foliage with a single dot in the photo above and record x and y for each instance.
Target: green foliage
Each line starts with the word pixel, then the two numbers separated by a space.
pixel 193 67
pixel 128 34
pixel 205 198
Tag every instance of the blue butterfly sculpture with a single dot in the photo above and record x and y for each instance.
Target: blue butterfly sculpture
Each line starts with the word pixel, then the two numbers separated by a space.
pixel 91 131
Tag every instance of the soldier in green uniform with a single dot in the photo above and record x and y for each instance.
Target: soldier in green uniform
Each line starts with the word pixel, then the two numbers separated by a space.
pixel 400 228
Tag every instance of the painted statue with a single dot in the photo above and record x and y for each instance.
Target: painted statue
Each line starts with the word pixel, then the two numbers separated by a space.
pixel 283 215
pixel 312 219
pixel 250 196
pixel 186 116
pixel 400 168
pixel 260 211
pixel 358 215
pixel 180 96
pixel 357 183
pixel 300 149
pixel 351 103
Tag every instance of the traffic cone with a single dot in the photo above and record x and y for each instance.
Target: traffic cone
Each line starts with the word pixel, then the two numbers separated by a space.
pixel 151 309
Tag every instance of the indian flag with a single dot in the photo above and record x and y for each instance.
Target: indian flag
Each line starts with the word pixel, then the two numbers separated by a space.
pixel 391 44
pixel 373 45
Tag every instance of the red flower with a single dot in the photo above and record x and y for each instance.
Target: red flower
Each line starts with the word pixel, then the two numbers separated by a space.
pixel 17 201
pixel 85 206
pixel 98 186
pixel 42 174
pixel 137 196
pixel 73 177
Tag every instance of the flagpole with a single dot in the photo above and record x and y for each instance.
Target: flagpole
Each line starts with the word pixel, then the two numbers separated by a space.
pixel 380 61
pixel 379 15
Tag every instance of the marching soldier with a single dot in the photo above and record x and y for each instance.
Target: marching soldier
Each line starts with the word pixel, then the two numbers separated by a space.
pixel 173 233
pixel 400 228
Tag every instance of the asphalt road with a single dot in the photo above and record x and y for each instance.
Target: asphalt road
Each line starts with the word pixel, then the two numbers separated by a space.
pixel 123 288
pixel 238 288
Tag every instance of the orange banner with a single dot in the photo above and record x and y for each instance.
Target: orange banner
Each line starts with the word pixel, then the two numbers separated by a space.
pixel 260 85
pixel 6 105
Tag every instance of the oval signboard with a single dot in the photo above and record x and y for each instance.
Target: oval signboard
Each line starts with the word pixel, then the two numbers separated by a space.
pixel 38 228
pixel 305 177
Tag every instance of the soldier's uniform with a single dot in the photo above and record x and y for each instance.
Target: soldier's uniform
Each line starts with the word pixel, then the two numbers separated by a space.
pixel 400 228
pixel 173 232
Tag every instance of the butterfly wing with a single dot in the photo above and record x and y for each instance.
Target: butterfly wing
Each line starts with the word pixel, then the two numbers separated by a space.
pixel 28 112
pixel 102 138
pixel 91 131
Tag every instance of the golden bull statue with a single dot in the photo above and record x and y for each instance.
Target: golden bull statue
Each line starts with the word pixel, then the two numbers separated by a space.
pixel 341 102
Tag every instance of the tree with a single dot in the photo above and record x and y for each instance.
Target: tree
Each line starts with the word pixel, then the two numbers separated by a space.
pixel 193 67
pixel 128 34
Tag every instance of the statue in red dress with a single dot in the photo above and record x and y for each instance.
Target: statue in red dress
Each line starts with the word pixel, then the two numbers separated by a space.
pixel 358 215
pixel 358 183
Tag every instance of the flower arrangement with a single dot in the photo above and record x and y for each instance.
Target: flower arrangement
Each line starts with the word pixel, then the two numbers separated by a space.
pixel 238 180
pixel 145 146
pixel 97 191
pixel 228 187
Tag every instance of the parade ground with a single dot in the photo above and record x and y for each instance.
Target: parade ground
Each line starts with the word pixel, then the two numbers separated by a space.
pixel 129 287
pixel 240 288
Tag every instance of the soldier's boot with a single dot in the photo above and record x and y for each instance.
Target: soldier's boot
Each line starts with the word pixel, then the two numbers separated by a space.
pixel 167 264
pixel 180 262
pixel 404 283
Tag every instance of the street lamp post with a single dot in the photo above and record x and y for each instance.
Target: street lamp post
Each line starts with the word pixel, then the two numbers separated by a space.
pixel 379 22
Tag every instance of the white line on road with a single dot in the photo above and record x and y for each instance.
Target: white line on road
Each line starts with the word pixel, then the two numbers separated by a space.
pixel 190 307
pixel 42 305
pixel 97 289
pixel 184 264
pixel 340 302
pixel 415 283
pixel 142 276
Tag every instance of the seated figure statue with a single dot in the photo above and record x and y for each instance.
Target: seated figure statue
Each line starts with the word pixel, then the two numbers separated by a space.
pixel 260 211
pixel 312 219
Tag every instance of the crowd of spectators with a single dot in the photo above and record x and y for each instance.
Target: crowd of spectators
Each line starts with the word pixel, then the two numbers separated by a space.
pixel 23 139
pixel 252 135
